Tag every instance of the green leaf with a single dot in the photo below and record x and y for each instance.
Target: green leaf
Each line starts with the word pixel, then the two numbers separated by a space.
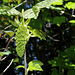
pixel 27 21
pixel 29 14
pixel 20 66
pixel 22 37
pixel 33 13
pixel 16 60
pixel 36 23
pixel 73 65
pixel 59 20
pixel 7 10
pixel 10 33
pixel 1 54
pixel 4 9
pixel 36 11
pixel 70 5
pixel 5 53
pixel 38 34
pixel 35 65
pixel 5 1
pixel 13 11
pixel 43 4
pixel 72 21
pixel 59 2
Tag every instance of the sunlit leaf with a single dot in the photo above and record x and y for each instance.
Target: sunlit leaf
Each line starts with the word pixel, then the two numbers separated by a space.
pixel 5 53
pixel 35 65
pixel 20 66
pixel 38 34
pixel 10 0
pixel 34 12
pixel 16 60
pixel 13 11
pixel 5 1
pixel 59 2
pixel 22 37
pixel 27 21
pixel 4 9
pixel 10 33
pixel 70 5
pixel 1 54
pixel 29 14
pixel 72 21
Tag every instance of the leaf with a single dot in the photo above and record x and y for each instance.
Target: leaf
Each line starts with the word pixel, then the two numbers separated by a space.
pixel 59 20
pixel 36 24
pixel 33 13
pixel 27 21
pixel 29 14
pixel 16 60
pixel 44 4
pixel 35 65
pixel 10 33
pixel 1 54
pixel 20 66
pixel 59 2
pixel 22 37
pixel 73 65
pixel 7 10
pixel 38 34
pixel 36 11
pixel 5 53
pixel 13 11
pixel 4 9
pixel 5 1
pixel 70 5
pixel 72 21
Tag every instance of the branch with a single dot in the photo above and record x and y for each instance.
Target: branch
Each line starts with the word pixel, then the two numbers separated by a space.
pixel 5 28
pixel 3 58
pixel 20 4
pixel 63 12
pixel 7 67
pixel 8 44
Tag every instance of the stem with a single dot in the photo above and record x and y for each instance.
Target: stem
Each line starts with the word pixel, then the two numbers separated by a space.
pixel 25 63
pixel 7 67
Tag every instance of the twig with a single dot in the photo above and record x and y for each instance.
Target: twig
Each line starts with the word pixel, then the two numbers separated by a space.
pixel 5 28
pixel 7 67
pixel 20 4
pixel 3 58
pixel 8 44
pixel 63 12
pixel 59 33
